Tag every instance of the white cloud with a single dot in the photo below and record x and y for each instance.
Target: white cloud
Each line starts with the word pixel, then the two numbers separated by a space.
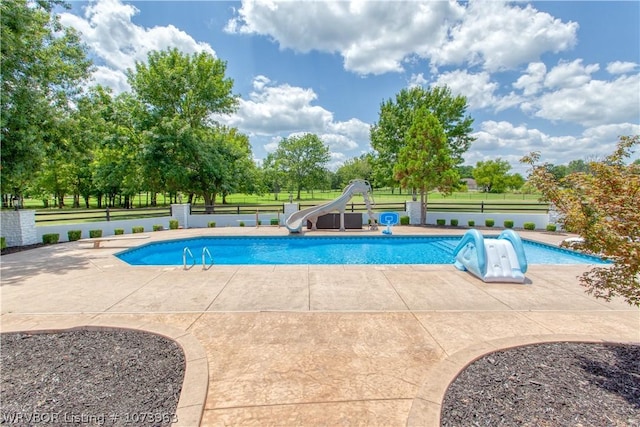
pixel 376 37
pixel 620 67
pixel 531 82
pixel 114 79
pixel 273 108
pixel 595 103
pixel 478 88
pixel 500 36
pixel 570 74
pixel 108 30
pixel 417 80
pixel 372 37
pixel 509 142
pixel 284 110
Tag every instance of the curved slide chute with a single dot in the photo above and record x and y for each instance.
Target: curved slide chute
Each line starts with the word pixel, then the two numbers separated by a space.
pixel 492 260
pixel 358 186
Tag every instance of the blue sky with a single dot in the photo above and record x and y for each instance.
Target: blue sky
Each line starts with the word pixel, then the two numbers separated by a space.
pixel 562 78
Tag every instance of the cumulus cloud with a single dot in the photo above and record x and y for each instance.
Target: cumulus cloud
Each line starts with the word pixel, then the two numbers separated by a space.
pixel 378 37
pixel 569 92
pixel 478 88
pixel 284 110
pixel 511 142
pixel 594 103
pixel 498 36
pixel 620 67
pixel 531 82
pixel 570 74
pixel 117 43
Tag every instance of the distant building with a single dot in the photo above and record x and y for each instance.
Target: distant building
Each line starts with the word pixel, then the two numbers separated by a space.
pixel 471 183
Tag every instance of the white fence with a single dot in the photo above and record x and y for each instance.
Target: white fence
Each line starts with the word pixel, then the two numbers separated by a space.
pixel 18 227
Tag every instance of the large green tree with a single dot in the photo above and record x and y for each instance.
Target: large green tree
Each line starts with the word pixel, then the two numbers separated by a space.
pixel 493 176
pixel 389 134
pixel 425 162
pixel 43 67
pixel 355 168
pixel 303 160
pixel 603 206
pixel 182 93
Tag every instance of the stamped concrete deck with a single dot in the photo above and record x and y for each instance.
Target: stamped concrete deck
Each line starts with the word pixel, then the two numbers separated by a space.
pixel 308 344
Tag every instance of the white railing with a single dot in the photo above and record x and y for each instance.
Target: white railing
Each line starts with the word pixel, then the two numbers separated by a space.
pixel 205 252
pixel 186 252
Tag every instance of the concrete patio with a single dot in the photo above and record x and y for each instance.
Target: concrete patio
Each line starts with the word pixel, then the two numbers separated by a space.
pixel 308 344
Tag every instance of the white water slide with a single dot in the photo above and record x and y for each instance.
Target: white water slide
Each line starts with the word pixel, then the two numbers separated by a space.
pixel 358 186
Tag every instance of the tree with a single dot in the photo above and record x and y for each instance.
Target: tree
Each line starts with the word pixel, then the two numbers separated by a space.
pixel 492 175
pixel 303 160
pixel 181 94
pixel 273 176
pixel 355 168
pixel 43 67
pixel 425 162
pixel 465 171
pixel 603 206
pixel 388 135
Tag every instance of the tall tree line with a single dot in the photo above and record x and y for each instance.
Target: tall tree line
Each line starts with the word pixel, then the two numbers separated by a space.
pixel 61 136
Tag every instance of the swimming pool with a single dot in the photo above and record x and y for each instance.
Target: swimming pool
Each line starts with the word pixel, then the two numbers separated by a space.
pixel 328 250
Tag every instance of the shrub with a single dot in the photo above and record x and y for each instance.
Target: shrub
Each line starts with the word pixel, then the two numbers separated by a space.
pixel 211 224
pixel 95 233
pixel 3 243
pixel 158 227
pixel 50 238
pixel 489 222
pixel 454 222
pixel 404 220
pixel 508 223
pixel 241 224
pixel 471 223
pixel 74 235
pixel 173 224
pixel 441 221
pixel 259 222
pixel 274 221
pixel 529 226
pixel 551 227
pixel 137 229
pixel 118 231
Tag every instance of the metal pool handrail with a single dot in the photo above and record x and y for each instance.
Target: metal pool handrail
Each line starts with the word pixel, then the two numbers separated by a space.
pixel 186 251
pixel 205 252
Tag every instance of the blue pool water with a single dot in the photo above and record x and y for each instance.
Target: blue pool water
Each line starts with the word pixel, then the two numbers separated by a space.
pixel 328 250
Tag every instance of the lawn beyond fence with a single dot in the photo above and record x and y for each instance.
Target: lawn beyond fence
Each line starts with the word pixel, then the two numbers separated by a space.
pixel 51 217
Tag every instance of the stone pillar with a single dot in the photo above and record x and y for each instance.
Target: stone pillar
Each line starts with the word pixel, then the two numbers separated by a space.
pixel 290 208
pixel 181 212
pixel 413 210
pixel 19 227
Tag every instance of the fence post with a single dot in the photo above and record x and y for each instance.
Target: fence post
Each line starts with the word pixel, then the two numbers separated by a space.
pixel 108 216
pixel 482 206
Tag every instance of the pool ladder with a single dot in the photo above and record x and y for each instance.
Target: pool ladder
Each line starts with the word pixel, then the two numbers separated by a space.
pixel 186 254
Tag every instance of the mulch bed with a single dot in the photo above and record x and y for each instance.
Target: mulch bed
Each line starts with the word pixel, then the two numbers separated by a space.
pixel 556 384
pixel 14 249
pixel 89 377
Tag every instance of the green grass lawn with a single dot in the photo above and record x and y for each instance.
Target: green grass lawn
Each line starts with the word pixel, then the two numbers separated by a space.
pixel 379 196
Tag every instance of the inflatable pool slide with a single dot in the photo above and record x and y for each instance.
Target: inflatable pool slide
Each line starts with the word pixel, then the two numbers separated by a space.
pixel 499 259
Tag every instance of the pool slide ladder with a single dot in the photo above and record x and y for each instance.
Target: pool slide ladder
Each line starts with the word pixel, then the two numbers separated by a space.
pixel 186 253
